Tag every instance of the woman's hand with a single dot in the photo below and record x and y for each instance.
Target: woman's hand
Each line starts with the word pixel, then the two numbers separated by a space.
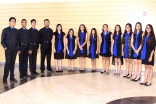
pixel 150 59
pixel 19 52
pixel 122 53
pixel 97 52
pixel 136 51
pixel 54 50
pixel 30 52
pixel 111 51
pixel 74 52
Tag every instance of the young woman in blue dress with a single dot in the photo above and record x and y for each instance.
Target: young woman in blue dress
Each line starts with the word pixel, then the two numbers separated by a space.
pixel 105 48
pixel 59 47
pixel 93 48
pixel 148 50
pixel 71 47
pixel 116 48
pixel 82 46
pixel 136 41
pixel 127 50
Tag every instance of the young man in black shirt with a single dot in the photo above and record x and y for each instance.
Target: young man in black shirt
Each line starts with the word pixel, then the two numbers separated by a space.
pixel 24 47
pixel 9 41
pixel 34 47
pixel 46 45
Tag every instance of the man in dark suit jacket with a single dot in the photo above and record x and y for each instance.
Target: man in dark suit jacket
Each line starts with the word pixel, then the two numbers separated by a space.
pixel 9 41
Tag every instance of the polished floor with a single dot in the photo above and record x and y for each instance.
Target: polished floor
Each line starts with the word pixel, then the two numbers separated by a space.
pixel 86 88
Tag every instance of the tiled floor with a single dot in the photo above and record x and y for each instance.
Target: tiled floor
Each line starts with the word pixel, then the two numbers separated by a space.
pixel 88 88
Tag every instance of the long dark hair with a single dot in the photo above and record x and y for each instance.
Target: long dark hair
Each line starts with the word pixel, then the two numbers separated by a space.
pixel 68 35
pixel 130 29
pixel 135 30
pixel 79 30
pixel 58 26
pixel 103 26
pixel 151 35
pixel 116 31
pixel 95 35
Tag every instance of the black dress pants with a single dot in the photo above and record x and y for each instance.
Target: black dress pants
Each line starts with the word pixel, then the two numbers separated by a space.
pixel 23 60
pixel 10 57
pixel 33 58
pixel 46 49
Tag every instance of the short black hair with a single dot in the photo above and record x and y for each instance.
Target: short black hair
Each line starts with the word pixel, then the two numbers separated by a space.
pixel 46 20
pixel 12 18
pixel 23 20
pixel 33 20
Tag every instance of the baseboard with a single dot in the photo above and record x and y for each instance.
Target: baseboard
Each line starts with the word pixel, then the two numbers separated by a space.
pixel 77 68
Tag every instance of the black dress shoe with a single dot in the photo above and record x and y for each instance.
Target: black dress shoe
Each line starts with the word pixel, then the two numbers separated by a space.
pixel 107 73
pixel 143 83
pixel 126 75
pixel 33 74
pixel 13 80
pixel 73 70
pixel 69 70
pixel 80 71
pixel 129 77
pixel 102 72
pixel 36 73
pixel 60 70
pixel 135 80
pixel 42 73
pixel 146 84
pixel 94 70
pixel 21 77
pixel 5 82
pixel 26 75
pixel 50 70
pixel 57 71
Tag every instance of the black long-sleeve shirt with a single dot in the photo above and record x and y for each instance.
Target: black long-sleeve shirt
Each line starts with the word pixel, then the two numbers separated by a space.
pixel 34 35
pixel 9 37
pixel 24 36
pixel 45 34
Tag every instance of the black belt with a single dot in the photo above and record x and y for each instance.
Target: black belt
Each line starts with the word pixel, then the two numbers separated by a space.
pixel 24 44
pixel 33 43
pixel 46 41
pixel 11 45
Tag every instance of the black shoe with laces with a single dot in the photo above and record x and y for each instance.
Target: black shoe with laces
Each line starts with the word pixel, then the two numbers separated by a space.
pixel 5 82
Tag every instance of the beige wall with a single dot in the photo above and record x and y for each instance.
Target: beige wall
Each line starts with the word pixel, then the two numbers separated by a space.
pixel 92 13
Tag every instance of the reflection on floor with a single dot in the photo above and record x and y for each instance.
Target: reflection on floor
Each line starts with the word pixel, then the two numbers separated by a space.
pixel 87 88
pixel 10 85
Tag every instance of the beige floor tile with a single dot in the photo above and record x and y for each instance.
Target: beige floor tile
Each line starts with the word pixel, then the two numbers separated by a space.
pixel 103 96
pixel 82 100
pixel 88 88
pixel 16 99
pixel 51 101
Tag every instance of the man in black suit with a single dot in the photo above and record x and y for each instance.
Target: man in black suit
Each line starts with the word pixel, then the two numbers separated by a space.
pixel 34 47
pixel 9 41
pixel 46 45
pixel 24 47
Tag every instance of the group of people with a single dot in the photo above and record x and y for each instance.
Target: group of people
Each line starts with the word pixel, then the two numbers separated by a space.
pixel 136 48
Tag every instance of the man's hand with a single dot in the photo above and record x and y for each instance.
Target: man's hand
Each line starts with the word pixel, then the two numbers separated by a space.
pixel 38 50
pixel 30 52
pixel 19 52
